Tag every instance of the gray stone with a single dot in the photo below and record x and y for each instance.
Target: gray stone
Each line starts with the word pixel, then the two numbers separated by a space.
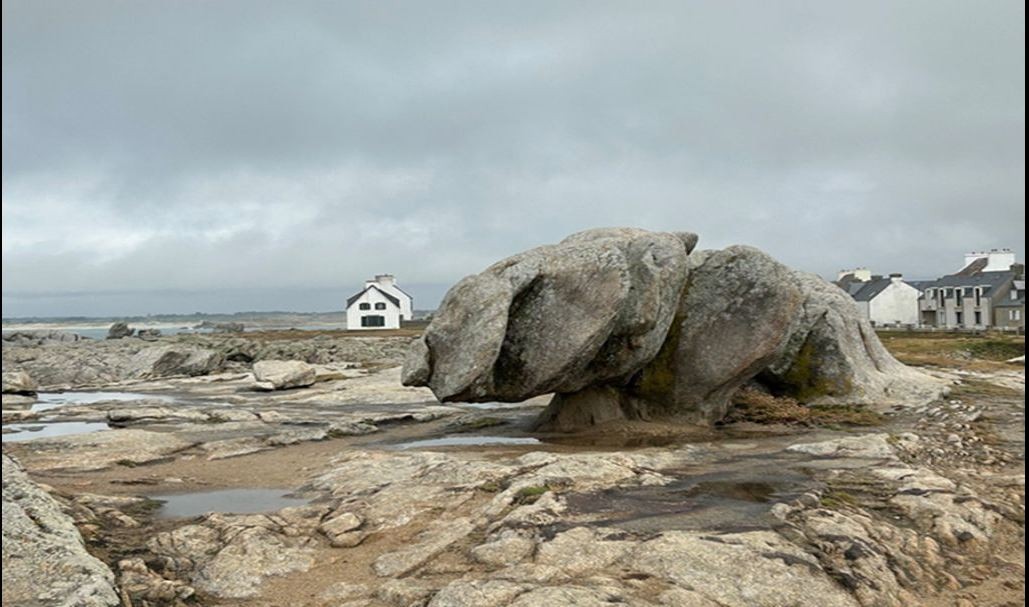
pixel 120 330
pixel 18 382
pixel 283 374
pixel 624 323
pixel 174 360
pixel 44 559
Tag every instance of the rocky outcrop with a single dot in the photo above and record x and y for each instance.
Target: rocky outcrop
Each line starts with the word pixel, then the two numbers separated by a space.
pixel 120 330
pixel 171 360
pixel 283 374
pixel 39 337
pixel 19 382
pixel 625 323
pixel 44 559
pixel 221 327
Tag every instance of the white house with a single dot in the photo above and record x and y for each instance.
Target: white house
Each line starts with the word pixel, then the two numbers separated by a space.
pixel 381 304
pixel 882 301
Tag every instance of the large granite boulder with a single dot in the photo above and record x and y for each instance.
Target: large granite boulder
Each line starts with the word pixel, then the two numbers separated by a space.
pixel 45 561
pixel 626 323
pixel 175 360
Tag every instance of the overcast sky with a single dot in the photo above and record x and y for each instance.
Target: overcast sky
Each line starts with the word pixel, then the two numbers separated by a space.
pixel 180 156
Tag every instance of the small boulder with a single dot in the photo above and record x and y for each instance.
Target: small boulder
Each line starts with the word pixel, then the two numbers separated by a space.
pixel 119 330
pixel 148 334
pixel 18 382
pixel 283 374
pixel 172 360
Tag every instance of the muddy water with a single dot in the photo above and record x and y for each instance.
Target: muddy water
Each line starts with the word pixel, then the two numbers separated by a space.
pixel 235 501
pixel 723 496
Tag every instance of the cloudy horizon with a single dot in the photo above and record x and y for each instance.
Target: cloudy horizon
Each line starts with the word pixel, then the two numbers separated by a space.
pixel 166 157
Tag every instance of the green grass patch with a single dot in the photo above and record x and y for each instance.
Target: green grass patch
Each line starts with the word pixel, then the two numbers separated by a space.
pixel 837 500
pixel 529 495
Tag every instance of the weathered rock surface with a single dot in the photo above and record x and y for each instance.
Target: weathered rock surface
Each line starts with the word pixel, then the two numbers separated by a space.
pixel 283 374
pixel 19 382
pixel 165 361
pixel 120 330
pixel 44 559
pixel 98 449
pixel 229 556
pixel 624 323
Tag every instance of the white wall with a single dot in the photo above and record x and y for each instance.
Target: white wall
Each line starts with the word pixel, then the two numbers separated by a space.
pixel 387 284
pixel 372 297
pixel 897 303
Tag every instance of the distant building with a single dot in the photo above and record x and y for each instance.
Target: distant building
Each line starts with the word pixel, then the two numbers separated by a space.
pixel 972 298
pixel 1009 313
pixel 882 301
pixel 381 304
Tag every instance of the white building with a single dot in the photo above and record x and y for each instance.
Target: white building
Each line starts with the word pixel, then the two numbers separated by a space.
pixel 381 304
pixel 882 301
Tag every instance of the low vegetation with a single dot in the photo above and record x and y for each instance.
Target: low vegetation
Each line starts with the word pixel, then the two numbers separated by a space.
pixel 984 351
pixel 753 405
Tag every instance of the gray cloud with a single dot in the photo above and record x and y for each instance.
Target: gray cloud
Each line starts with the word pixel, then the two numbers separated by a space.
pixel 262 145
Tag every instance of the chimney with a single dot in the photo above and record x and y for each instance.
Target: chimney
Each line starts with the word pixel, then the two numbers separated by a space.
pixel 386 280
pixel 896 277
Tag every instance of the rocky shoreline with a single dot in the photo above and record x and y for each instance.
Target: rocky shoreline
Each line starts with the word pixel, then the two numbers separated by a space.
pixel 406 501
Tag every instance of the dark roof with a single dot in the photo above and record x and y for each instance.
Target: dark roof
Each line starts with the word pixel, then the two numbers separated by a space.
pixel 987 280
pixel 1012 303
pixel 870 289
pixel 355 296
pixel 920 284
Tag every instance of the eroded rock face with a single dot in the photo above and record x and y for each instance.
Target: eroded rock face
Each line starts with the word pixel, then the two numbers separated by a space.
pixel 44 559
pixel 625 323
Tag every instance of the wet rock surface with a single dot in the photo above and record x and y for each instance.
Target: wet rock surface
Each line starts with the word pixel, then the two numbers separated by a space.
pixel 628 324
pixel 925 507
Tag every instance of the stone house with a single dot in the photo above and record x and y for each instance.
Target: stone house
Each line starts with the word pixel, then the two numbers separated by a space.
pixel 1010 312
pixel 967 298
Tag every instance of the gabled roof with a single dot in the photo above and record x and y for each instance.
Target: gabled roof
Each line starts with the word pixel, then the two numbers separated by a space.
pixel 870 289
pixel 1012 303
pixel 356 296
pixel 973 268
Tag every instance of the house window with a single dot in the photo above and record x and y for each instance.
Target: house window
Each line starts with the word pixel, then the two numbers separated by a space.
pixel 365 306
pixel 959 318
pixel 978 317
pixel 978 296
pixel 1014 294
pixel 1014 315
pixel 380 306
pixel 373 320
pixel 959 293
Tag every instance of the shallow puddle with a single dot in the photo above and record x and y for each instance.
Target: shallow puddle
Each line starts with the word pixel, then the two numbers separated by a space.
pixel 233 501
pixel 730 500
pixel 14 433
pixel 52 400
pixel 465 440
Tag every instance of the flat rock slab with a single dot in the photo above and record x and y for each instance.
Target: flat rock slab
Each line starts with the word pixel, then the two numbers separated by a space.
pixel 98 450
